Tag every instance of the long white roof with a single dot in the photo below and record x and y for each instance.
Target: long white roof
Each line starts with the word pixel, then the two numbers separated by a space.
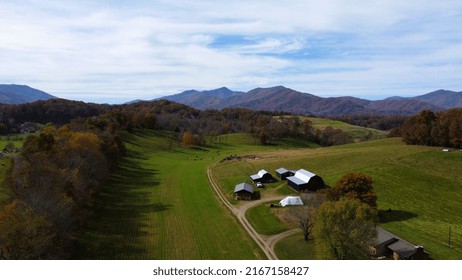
pixel 304 175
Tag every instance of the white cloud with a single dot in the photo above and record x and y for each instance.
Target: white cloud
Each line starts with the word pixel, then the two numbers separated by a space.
pixel 126 50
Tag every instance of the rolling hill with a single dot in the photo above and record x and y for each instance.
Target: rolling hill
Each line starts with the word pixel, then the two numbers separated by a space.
pixel 280 98
pixel 19 94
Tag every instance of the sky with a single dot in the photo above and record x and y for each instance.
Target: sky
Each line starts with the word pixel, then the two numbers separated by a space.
pixel 121 50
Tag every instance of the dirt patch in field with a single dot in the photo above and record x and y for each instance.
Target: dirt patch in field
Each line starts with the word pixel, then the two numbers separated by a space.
pixel 239 158
pixel 285 216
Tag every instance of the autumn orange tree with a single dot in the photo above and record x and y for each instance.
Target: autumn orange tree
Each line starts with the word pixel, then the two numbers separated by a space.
pixel 25 234
pixel 356 186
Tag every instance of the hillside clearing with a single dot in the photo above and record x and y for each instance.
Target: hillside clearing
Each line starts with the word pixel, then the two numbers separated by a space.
pixel 5 164
pixel 421 185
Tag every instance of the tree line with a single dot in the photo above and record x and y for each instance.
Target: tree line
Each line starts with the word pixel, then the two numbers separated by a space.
pixel 192 125
pixel 380 122
pixel 54 181
pixel 434 129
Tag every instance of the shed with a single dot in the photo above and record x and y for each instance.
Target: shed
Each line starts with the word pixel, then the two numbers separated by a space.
pixel 243 191
pixel 262 176
pixel 305 180
pixel 291 200
pixel 283 173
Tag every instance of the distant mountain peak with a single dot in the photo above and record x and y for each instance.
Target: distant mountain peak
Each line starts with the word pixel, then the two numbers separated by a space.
pixel 18 94
pixel 443 98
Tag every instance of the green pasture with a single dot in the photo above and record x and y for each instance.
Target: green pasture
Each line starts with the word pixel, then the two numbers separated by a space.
pixel 356 132
pixel 5 163
pixel 263 220
pixel 294 247
pixel 421 185
pixel 159 205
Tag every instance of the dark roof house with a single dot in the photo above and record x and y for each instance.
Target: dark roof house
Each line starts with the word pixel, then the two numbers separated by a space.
pixel 262 176
pixel 28 127
pixel 283 173
pixel 388 245
pixel 243 191
pixel 305 180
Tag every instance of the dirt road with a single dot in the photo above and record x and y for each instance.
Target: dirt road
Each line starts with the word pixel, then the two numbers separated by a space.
pixel 266 243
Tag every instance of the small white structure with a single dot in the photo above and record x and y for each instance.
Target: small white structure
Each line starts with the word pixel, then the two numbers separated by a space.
pixel 291 200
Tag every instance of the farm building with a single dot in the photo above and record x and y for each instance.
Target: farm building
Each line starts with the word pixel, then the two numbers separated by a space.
pixel 283 173
pixel 305 180
pixel 28 127
pixel 388 245
pixel 243 191
pixel 262 176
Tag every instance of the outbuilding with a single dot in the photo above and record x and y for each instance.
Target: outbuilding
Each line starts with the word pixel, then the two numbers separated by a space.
pixel 305 180
pixel 243 191
pixel 291 200
pixel 262 176
pixel 283 173
pixel 389 246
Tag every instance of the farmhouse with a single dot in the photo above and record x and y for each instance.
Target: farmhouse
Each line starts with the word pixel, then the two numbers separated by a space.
pixel 28 127
pixel 283 173
pixel 243 191
pixel 262 176
pixel 305 180
pixel 387 245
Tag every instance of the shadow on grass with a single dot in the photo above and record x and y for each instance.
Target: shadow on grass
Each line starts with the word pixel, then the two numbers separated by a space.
pixel 115 228
pixel 386 216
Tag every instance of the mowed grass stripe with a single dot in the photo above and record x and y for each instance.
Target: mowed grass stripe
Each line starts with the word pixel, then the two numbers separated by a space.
pixel 164 209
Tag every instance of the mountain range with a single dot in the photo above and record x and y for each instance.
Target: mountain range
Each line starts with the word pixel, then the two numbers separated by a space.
pixel 19 94
pixel 280 98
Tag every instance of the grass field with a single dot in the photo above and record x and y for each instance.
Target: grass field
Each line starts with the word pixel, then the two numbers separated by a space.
pixel 264 219
pixel 422 185
pixel 294 247
pixel 356 132
pixel 159 205
pixel 5 164
pixel 17 140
